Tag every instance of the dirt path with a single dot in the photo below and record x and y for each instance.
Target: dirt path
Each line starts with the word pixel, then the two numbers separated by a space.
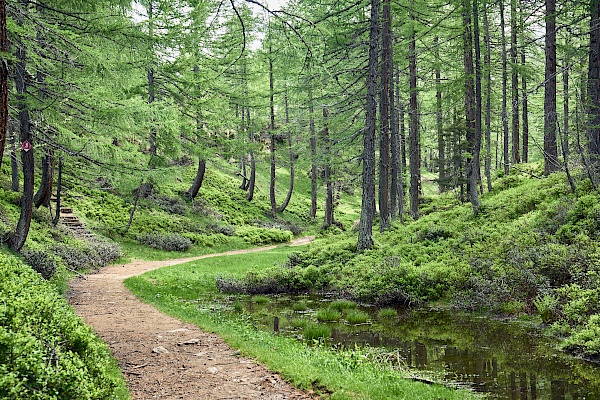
pixel 162 357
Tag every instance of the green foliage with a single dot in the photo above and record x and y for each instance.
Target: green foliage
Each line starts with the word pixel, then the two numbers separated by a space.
pixel 172 242
pixel 41 261
pixel 356 317
pixel 299 306
pixel 46 352
pixel 258 236
pixel 342 305
pixel 547 307
pixel 387 313
pixel 211 240
pixel 328 314
pixel 260 299
pixel 313 331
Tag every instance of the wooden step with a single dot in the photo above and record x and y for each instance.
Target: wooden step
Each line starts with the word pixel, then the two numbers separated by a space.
pixel 66 210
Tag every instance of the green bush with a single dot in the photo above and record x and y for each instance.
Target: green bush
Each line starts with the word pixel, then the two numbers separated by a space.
pixel 172 242
pixel 258 236
pixel 215 239
pixel 46 352
pixel 41 261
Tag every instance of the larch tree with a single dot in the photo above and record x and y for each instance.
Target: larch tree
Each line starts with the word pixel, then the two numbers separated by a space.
pixel 551 163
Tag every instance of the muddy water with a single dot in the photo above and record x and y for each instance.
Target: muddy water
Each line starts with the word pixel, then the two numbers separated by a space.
pixel 507 360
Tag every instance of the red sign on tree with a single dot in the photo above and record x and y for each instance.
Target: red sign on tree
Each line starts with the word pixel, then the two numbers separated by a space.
pixel 26 146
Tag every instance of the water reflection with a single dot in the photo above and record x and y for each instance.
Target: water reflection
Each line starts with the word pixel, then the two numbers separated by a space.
pixel 505 360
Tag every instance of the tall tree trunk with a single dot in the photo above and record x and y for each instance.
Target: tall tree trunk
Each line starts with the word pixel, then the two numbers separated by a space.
pixel 566 116
pixel 384 119
pixel 525 109
pixel 14 149
pixel 197 184
pixel 288 197
pixel 488 99
pixel 17 238
pixel 413 127
pixel 328 220
pixel 439 119
pixel 252 179
pixel 470 108
pixel 44 193
pixel 3 79
pixel 402 144
pixel 505 153
pixel 551 163
pixel 313 154
pixel 514 27
pixel 593 85
pixel 272 134
pixel 396 167
pixel 365 227
pixel 478 99
pixel 58 192
pixel 151 88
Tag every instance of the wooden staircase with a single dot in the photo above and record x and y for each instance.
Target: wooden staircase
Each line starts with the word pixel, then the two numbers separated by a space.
pixel 70 220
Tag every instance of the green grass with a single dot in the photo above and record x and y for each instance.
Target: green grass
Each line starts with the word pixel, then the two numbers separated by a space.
pixel 299 306
pixel 328 314
pixel 387 313
pixel 314 331
pixel 342 305
pixel 176 290
pixel 258 299
pixel 357 317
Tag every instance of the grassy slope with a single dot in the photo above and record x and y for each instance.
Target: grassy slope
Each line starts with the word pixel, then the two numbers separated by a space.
pixel 533 249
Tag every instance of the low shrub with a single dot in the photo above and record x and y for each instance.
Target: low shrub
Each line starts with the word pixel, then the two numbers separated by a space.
pixel 80 256
pixel 328 314
pixel 357 317
pixel 299 306
pixel 172 242
pixel 258 236
pixel 387 313
pixel 41 261
pixel 46 352
pixel 215 239
pixel 342 305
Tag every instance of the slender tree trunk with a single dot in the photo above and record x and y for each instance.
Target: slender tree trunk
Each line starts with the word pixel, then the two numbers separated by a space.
pixel 478 96
pixel 525 110
pixel 401 117
pixel 365 227
pixel 44 193
pixel 551 163
pixel 14 161
pixel 396 171
pixel 505 153
pixel 384 119
pixel 470 109
pixel 402 144
pixel 272 134
pixel 566 116
pixel 252 179
pixel 488 99
pixel 3 79
pixel 288 197
pixel 151 89
pixel 313 154
pixel 439 119
pixel 135 204
pixel 413 128
pixel 197 184
pixel 58 192
pixel 514 27
pixel 593 85
pixel 17 238
pixel 328 220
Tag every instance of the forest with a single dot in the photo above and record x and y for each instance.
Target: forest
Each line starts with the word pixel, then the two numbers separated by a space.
pixel 443 155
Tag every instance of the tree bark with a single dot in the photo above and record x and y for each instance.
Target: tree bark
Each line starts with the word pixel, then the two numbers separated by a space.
pixel 384 119
pixel 272 135
pixel 44 193
pixel 413 128
pixel 525 110
pixel 150 73
pixel 396 180
pixel 470 109
pixel 197 184
pixel 17 238
pixel 439 119
pixel 328 219
pixel 288 197
pixel 58 192
pixel 252 179
pixel 551 163
pixel 3 80
pixel 313 154
pixel 365 227
pixel 505 153
pixel 593 85
pixel 488 99
pixel 514 27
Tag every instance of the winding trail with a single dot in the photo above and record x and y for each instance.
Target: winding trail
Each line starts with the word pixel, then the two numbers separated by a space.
pixel 162 357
